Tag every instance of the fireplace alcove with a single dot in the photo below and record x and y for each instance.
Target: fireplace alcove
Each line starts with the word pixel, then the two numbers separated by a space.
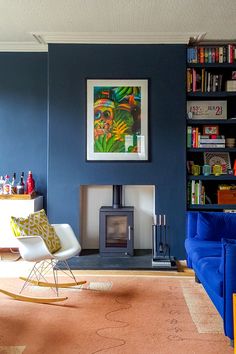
pixel 96 197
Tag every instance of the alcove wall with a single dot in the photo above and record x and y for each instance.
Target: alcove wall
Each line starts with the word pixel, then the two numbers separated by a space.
pixel 94 196
pixel 164 66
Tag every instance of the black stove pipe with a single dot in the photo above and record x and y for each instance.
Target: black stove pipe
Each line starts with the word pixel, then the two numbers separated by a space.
pixel 117 196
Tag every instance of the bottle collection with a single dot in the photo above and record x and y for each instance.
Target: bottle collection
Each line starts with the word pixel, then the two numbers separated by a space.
pixel 11 186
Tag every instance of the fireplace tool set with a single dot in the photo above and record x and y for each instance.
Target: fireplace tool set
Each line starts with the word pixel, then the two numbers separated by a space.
pixel 161 257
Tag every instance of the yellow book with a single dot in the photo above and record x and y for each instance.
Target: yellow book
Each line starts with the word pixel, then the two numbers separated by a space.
pixel 203 80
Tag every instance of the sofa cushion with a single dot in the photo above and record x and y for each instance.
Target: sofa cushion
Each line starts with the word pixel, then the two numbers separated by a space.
pixel 215 225
pixel 208 267
pixel 212 251
pixel 191 245
pixel 224 241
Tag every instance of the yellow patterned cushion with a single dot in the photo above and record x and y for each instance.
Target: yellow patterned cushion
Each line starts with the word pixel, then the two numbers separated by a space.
pixel 36 224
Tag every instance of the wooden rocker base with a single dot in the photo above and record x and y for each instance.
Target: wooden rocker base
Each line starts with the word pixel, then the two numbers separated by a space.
pixel 53 285
pixel 43 300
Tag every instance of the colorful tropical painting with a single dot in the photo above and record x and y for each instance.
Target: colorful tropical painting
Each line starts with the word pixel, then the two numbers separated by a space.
pixel 117 119
pixel 117 116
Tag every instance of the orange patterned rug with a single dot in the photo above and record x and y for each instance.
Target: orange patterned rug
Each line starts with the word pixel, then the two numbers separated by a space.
pixel 111 314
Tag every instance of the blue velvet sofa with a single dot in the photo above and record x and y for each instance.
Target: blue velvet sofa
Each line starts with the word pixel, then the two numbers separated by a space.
pixel 211 252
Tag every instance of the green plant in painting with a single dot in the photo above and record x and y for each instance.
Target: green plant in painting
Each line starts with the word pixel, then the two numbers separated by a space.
pixel 116 114
pixel 104 144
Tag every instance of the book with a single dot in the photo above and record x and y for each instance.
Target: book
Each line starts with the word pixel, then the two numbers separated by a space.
pixel 196 138
pixel 220 54
pixel 196 192
pixel 196 199
pixel 193 137
pixel 206 145
pixel 213 55
pixel 203 80
pixel 189 137
pixel 212 141
pixel 217 55
pixel 193 192
pixel 189 80
pixel 201 55
pixel 230 53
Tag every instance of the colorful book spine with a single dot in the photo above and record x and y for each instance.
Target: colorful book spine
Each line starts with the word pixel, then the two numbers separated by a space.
pixel 189 80
pixel 189 137
pixel 217 55
pixel 209 54
pixel 213 55
pixel 224 54
pixel 220 55
pixel 230 53
pixel 194 80
pixel 194 137
pixel 205 146
pixel 196 193
pixel 193 201
pixel 201 55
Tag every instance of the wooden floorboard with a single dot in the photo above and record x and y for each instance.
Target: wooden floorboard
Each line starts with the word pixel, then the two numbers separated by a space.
pixel 183 270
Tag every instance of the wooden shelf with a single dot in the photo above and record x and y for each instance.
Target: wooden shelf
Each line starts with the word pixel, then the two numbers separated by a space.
pixel 18 196
pixel 211 206
pixel 210 121
pixel 211 149
pixel 212 178
pixel 216 94
pixel 212 65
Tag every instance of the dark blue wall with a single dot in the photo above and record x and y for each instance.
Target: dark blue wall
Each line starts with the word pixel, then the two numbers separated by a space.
pixel 23 115
pixel 164 66
pixel 24 135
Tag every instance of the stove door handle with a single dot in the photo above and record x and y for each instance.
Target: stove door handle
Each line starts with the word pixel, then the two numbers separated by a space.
pixel 129 232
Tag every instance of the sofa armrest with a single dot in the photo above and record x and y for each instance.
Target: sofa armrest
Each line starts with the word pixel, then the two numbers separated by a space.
pixel 191 227
pixel 229 258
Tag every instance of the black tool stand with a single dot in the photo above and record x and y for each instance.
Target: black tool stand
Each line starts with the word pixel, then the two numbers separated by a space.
pixel 161 258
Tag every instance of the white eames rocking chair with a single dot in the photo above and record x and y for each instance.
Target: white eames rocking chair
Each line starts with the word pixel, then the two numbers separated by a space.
pixel 34 249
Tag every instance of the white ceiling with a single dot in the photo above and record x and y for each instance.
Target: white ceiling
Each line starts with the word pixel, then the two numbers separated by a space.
pixel 25 23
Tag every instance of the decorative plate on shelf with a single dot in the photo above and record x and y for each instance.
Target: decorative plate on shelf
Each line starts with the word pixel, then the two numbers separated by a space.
pixel 219 158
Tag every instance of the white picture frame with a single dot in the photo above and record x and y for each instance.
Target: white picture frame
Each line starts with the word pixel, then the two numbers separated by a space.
pixel 117 120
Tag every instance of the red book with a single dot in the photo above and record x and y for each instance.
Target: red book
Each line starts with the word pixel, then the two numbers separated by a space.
pixel 201 55
pixel 217 55
pixel 230 54
pixel 213 55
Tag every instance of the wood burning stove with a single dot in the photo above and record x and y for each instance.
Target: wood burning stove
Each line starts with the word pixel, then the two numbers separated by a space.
pixel 116 225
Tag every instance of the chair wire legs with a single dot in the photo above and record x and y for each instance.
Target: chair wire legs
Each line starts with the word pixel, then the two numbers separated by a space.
pixel 70 271
pixel 37 275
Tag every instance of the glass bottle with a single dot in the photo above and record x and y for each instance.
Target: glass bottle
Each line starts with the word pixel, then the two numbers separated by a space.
pixel 2 182
pixel 7 185
pixel 30 184
pixel 20 188
pixel 22 175
pixel 13 184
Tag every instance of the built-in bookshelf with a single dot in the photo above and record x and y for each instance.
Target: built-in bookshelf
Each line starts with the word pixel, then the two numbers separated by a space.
pixel 210 125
